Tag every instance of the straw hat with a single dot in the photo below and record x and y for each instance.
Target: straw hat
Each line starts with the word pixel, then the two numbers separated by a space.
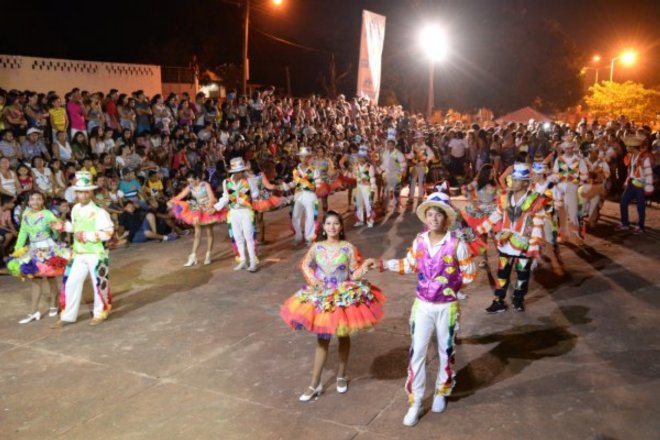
pixel 439 200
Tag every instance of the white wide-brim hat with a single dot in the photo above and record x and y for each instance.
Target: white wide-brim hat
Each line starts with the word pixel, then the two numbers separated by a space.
pixel 84 181
pixel 304 151
pixel 236 165
pixel 440 200
pixel 521 171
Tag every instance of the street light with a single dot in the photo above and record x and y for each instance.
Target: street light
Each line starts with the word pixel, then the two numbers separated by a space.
pixel 433 41
pixel 595 60
pixel 246 26
pixel 627 58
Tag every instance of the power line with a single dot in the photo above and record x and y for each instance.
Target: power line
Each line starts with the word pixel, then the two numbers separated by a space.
pixel 288 42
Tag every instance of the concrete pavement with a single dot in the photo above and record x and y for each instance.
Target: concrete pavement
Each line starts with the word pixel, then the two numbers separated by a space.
pixel 201 353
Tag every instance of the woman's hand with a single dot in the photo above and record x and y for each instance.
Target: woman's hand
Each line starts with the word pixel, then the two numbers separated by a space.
pixel 370 263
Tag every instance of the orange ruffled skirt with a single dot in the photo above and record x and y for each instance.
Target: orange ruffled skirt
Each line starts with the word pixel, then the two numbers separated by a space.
pixel 341 311
pixel 192 214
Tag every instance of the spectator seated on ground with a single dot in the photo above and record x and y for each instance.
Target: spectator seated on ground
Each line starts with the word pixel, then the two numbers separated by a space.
pixel 141 226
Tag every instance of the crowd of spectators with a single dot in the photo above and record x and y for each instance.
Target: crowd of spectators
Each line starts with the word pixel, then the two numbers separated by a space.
pixel 140 148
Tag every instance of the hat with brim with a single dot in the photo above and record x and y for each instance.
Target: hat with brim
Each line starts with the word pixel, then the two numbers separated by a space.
pixel 84 181
pixel 304 151
pixel 33 130
pixel 439 200
pixel 236 165
pixel 633 141
pixel 540 168
pixel 520 171
pixel 363 152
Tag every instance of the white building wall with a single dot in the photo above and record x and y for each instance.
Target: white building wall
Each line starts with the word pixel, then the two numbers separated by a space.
pixel 45 74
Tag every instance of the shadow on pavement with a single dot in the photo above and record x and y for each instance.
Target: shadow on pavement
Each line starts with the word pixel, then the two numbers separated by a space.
pixel 516 349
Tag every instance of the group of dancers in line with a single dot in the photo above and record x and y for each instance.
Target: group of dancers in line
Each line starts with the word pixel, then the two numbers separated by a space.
pixel 337 299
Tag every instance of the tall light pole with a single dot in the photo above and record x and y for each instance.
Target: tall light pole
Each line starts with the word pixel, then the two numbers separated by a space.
pixel 433 42
pixel 246 66
pixel 246 36
pixel 627 58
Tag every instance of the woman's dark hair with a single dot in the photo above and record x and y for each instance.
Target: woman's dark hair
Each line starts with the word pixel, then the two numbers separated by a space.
pixel 485 176
pixel 191 175
pixel 34 161
pixel 36 193
pixel 323 236
pixel 121 100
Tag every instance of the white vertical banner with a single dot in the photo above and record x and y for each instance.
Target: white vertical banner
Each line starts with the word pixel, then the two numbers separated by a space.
pixel 371 51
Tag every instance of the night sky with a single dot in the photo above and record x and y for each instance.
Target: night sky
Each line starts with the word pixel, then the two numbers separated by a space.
pixel 167 32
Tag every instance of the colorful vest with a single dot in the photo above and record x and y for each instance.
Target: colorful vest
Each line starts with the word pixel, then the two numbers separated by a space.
pixel 439 277
pixel 239 194
pixel 304 179
pixel 569 173
pixel 518 221
pixel 362 174
pixel 35 227
pixel 86 224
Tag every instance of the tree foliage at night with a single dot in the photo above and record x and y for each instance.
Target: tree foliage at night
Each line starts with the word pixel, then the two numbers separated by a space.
pixel 611 99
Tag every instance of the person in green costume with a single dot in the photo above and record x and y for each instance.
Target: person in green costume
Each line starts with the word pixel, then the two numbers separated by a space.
pixel 91 227
pixel 43 259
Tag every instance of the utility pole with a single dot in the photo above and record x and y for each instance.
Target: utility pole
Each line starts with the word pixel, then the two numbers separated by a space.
pixel 246 61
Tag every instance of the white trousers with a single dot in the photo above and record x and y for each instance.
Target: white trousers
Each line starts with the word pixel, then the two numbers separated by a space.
pixel 426 319
pixel 74 278
pixel 567 196
pixel 392 188
pixel 305 202
pixel 418 178
pixel 363 204
pixel 242 232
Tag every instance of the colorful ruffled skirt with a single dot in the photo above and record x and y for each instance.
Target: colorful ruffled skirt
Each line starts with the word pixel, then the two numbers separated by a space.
pixel 43 260
pixel 341 310
pixel 476 216
pixel 323 189
pixel 192 213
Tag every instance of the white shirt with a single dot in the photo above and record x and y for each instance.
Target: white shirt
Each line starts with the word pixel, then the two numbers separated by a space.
pixel 457 147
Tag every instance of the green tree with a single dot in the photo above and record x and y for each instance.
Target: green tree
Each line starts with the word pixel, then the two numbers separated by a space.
pixel 610 99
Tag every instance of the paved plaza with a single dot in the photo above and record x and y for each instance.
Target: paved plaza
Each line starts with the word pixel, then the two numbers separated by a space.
pixel 201 353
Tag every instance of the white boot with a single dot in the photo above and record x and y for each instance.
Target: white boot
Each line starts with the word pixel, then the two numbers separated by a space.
pixel 192 260
pixel 439 404
pixel 241 265
pixel 412 416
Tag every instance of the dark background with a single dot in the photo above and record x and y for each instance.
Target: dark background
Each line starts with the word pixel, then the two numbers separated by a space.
pixel 505 53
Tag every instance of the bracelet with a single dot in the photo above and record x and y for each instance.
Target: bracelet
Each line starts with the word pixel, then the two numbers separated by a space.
pixel 381 266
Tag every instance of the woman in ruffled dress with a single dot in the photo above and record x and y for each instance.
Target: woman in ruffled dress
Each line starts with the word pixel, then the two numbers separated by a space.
pixel 43 258
pixel 199 212
pixel 335 301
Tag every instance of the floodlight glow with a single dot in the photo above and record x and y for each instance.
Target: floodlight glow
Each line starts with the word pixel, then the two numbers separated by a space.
pixel 433 42
pixel 628 57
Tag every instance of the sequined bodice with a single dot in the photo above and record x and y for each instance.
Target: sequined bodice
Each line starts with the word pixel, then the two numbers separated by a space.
pixel 333 263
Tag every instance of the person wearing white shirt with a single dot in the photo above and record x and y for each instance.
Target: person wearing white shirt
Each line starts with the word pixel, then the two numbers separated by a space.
pixel 393 164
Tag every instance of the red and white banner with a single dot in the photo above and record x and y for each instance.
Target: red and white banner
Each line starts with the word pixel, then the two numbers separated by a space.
pixel 371 50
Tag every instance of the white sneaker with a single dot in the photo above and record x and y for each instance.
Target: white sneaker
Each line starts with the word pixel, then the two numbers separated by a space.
pixel 412 416
pixel 36 316
pixel 460 295
pixel 356 224
pixel 439 404
pixel 370 225
pixel 252 268
pixel 240 266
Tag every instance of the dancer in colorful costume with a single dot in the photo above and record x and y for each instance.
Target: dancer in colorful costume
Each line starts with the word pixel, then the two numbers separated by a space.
pixel 305 178
pixel 266 199
pixel 91 227
pixel 593 192
pixel 443 265
pixel 481 196
pixel 394 166
pixel 239 191
pixel 199 212
pixel 544 187
pixel 43 259
pixel 520 217
pixel 419 158
pixel 568 173
pixel 326 169
pixel 365 176
pixel 639 184
pixel 335 301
